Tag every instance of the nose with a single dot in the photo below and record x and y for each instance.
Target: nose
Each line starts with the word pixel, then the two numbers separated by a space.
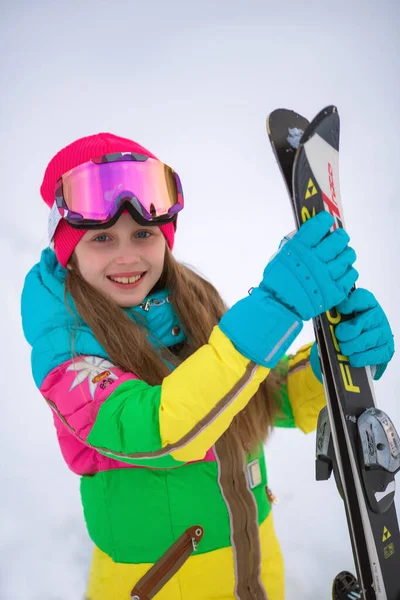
pixel 126 259
pixel 127 254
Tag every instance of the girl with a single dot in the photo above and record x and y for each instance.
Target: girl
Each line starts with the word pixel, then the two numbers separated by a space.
pixel 162 398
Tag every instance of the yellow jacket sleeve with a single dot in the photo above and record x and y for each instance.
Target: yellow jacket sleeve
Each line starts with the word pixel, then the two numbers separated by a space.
pixel 202 396
pixel 306 393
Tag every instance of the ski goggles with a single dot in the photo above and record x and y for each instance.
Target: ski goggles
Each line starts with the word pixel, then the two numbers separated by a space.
pixel 94 194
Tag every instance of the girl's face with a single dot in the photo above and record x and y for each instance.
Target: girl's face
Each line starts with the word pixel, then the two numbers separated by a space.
pixel 124 261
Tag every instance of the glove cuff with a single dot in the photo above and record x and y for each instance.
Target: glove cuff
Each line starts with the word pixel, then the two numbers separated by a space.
pixel 261 328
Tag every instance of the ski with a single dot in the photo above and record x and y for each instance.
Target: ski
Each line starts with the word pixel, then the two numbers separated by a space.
pixel 345 587
pixel 354 439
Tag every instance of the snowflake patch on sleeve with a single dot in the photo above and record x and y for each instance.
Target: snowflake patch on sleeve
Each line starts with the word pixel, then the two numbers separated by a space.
pixel 95 369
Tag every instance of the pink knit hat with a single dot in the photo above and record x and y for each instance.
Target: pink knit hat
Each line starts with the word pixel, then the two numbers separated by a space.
pixel 66 237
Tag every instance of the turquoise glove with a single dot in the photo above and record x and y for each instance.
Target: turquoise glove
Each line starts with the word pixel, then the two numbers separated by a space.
pixel 366 339
pixel 315 362
pixel 311 273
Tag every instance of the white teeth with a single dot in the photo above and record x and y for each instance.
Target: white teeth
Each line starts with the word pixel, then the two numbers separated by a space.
pixel 126 279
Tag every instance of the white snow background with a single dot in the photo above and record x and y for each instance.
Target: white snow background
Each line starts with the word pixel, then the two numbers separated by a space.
pixel 194 82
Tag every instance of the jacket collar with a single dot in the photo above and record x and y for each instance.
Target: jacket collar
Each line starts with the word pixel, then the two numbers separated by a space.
pixel 43 305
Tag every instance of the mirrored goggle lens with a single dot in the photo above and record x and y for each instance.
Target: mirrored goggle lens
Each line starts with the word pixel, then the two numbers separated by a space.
pixel 94 191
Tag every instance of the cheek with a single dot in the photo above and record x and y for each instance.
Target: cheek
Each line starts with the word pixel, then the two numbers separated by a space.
pixel 91 266
pixel 158 257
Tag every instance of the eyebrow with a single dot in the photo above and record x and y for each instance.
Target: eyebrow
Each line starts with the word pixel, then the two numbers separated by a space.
pixel 111 229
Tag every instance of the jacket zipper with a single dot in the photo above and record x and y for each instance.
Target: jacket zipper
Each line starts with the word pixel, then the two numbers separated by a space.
pixel 169 563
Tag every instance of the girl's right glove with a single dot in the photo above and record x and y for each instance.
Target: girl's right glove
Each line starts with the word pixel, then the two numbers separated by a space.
pixel 311 273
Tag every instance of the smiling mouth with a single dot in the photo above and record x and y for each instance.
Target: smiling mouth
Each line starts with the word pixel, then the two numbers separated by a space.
pixel 126 280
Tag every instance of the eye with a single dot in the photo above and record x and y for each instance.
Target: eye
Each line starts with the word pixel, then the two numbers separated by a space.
pixel 143 234
pixel 101 238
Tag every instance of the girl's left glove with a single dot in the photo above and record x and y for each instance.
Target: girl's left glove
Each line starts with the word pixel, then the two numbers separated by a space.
pixel 366 339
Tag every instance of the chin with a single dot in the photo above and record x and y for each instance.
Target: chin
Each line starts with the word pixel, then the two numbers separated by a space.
pixel 133 300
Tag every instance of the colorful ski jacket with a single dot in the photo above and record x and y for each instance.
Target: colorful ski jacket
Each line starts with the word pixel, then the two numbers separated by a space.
pixel 166 491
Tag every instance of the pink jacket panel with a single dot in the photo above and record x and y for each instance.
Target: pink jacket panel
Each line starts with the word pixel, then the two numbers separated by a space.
pixel 75 391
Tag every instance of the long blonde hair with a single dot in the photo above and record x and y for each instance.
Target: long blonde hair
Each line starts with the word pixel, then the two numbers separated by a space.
pixel 199 308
